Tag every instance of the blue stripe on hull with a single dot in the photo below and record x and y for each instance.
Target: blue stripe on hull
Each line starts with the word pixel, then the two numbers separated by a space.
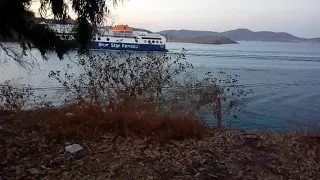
pixel 128 46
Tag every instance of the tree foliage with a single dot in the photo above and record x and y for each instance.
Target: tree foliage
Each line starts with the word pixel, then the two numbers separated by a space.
pixel 18 22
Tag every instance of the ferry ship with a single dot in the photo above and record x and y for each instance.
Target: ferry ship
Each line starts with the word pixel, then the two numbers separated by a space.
pixel 119 37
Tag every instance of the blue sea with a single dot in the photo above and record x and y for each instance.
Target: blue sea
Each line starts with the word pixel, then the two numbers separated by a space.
pixel 285 78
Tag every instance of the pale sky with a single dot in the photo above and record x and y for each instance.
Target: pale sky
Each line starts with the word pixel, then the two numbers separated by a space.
pixel 298 17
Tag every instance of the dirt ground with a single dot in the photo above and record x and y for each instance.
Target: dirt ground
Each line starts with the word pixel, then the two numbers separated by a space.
pixel 27 152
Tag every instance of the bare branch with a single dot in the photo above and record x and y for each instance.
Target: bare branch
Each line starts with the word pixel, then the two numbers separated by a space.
pixel 20 57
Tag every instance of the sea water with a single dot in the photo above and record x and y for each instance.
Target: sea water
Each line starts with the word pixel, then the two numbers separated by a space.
pixel 285 78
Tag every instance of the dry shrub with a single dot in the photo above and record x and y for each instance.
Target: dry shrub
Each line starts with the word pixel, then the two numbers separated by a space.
pixel 155 80
pixel 124 93
pixel 303 127
pixel 91 121
pixel 17 98
pixel 14 96
pixel 144 95
pixel 305 131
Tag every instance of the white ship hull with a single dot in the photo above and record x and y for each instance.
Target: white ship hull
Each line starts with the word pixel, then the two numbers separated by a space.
pixel 118 39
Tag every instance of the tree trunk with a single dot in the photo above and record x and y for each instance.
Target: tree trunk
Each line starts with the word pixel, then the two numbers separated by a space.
pixel 218 113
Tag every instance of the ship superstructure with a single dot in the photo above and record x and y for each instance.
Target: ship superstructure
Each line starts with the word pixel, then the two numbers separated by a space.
pixel 119 37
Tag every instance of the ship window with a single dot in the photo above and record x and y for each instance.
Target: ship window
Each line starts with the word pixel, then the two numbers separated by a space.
pixel 150 38
pixel 108 39
pixel 99 39
pixel 153 41
pixel 149 41
pixel 136 40
pixel 157 41
pixel 145 41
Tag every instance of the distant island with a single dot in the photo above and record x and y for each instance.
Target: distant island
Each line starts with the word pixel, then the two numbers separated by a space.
pixel 233 35
pixel 201 39
pixel 314 40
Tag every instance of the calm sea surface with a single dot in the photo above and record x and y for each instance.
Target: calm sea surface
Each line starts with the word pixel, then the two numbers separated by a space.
pixel 284 76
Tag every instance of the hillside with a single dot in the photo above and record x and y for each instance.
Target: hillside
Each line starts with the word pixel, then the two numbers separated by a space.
pixel 314 40
pixel 236 35
pixel 247 35
pixel 192 36
pixel 68 21
pixel 201 40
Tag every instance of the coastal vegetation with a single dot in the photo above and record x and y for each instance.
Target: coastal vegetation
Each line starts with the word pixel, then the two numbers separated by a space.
pixel 140 117
pixel 134 116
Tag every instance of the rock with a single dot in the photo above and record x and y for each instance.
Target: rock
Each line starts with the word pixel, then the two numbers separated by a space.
pixel 34 171
pixel 69 114
pixel 73 148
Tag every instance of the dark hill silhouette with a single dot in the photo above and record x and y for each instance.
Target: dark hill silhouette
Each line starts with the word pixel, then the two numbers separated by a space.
pixel 314 40
pixel 201 39
pixel 193 36
pixel 247 35
pixel 239 35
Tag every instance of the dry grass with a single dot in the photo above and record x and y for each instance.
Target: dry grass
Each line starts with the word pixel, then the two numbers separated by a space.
pixel 149 148
pixel 90 121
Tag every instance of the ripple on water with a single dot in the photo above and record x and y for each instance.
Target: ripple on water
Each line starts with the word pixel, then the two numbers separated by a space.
pixel 284 77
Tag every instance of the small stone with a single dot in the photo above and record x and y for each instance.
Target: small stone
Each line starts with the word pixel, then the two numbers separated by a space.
pixel 34 171
pixel 73 148
pixel 203 161
pixel 196 175
pixel 69 114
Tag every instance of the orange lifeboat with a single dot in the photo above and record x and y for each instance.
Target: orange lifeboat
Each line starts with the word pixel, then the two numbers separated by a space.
pixel 122 28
